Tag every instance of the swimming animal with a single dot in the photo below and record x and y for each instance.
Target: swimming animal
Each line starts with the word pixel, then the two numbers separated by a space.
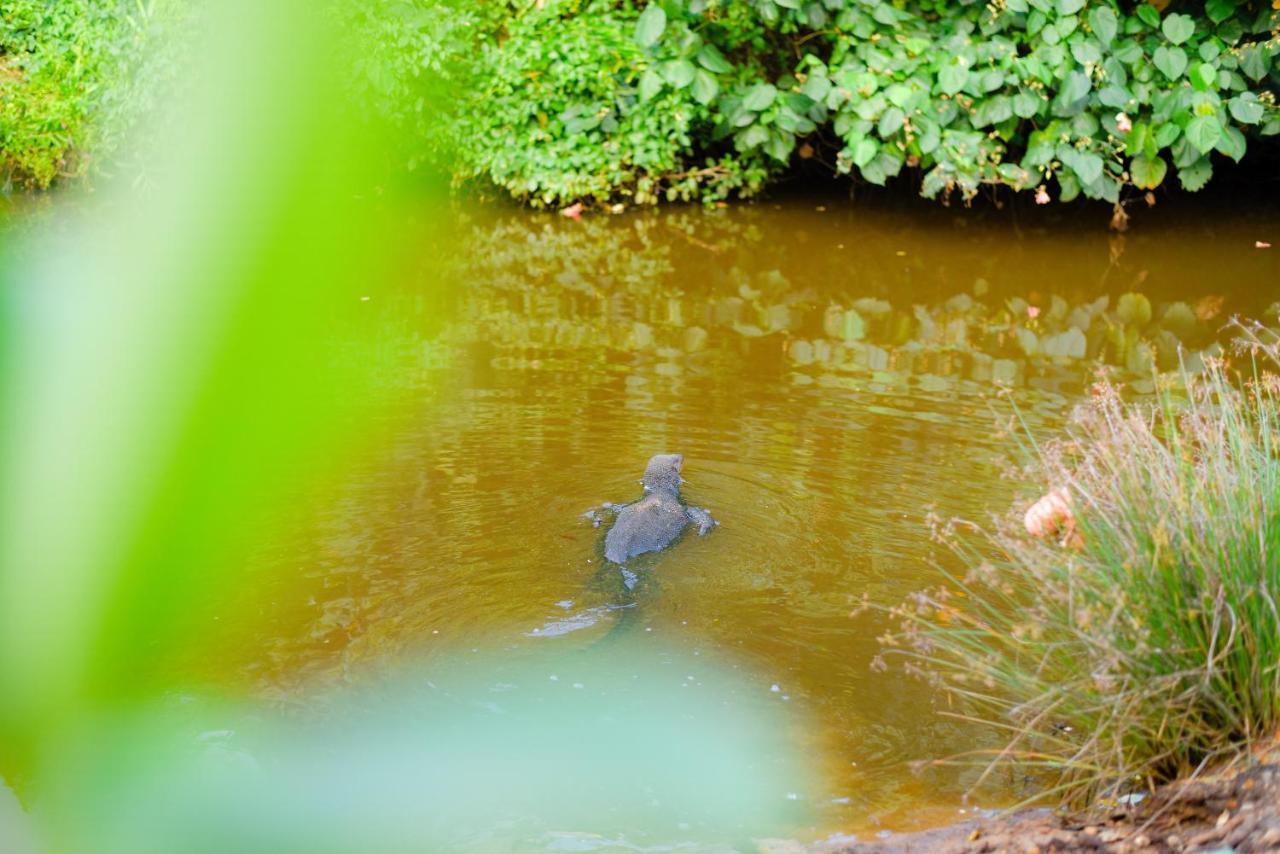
pixel 656 520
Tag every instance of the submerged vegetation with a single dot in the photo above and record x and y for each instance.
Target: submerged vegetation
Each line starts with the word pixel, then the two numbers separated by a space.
pixel 1145 648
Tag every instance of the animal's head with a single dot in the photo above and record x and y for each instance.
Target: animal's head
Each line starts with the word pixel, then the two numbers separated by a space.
pixel 662 474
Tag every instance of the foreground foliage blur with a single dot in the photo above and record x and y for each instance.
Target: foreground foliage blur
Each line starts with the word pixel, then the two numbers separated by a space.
pixel 1146 648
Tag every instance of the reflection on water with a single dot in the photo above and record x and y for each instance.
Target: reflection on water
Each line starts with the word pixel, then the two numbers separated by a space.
pixel 830 376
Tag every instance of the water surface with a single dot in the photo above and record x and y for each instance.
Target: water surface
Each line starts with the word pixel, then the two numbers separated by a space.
pixel 833 376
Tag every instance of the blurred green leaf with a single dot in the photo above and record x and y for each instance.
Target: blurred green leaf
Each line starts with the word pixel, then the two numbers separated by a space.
pixel 650 25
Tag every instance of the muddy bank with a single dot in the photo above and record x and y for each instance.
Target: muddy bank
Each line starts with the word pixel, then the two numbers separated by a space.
pixel 1237 814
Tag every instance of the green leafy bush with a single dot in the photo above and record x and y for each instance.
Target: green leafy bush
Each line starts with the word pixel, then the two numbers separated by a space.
pixel 1022 92
pixel 73 75
pixel 1149 647
pixel 603 99
pixel 563 103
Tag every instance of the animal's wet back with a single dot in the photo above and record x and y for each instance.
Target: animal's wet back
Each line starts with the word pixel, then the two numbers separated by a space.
pixel 655 521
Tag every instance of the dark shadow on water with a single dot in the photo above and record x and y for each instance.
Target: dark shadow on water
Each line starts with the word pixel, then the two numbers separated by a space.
pixel 1251 186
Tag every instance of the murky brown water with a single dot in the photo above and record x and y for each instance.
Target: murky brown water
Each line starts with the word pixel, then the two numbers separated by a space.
pixel 830 375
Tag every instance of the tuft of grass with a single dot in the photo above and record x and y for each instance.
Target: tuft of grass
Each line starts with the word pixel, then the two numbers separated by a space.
pixel 1150 650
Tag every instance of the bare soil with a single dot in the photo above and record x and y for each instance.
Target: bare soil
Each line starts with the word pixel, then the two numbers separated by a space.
pixel 1238 813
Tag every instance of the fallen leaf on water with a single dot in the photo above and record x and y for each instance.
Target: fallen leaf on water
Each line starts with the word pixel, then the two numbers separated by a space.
pixel 1261 244
pixel 574 211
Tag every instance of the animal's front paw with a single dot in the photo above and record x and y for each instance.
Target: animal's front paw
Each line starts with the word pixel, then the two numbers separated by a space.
pixel 598 516
pixel 702 519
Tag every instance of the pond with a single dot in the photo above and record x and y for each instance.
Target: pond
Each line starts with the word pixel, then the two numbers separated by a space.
pixel 834 375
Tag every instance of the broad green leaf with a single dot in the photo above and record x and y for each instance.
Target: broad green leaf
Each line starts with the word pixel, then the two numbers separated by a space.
pixel 1103 22
pixel 1254 61
pixel 916 45
pixel 1076 86
pixel 678 72
pixel 650 84
pixel 1149 15
pixel 1232 143
pixel 1085 125
pixel 743 117
pixel 760 97
pixel 1115 97
pixel 779 147
pixel 1136 141
pixel 952 77
pixel 580 123
pixel 934 182
pixel 1246 109
pixel 1195 176
pixel 1086 51
pixel 705 87
pixel 649 27
pixel 1171 61
pixel 1068 187
pixel 885 165
pixel 890 122
pixel 1231 30
pixel 753 137
pixel 1184 153
pixel 1147 173
pixel 929 141
pixel 1069 7
pixel 1026 104
pixel 885 14
pixel 1219 10
pixel 710 58
pixel 1204 132
pixel 900 95
pixel 1088 166
pixel 816 86
pixel 1167 134
pixel 1128 50
pixel 1204 76
pixel 993 111
pixel 1178 28
pixel 864 151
